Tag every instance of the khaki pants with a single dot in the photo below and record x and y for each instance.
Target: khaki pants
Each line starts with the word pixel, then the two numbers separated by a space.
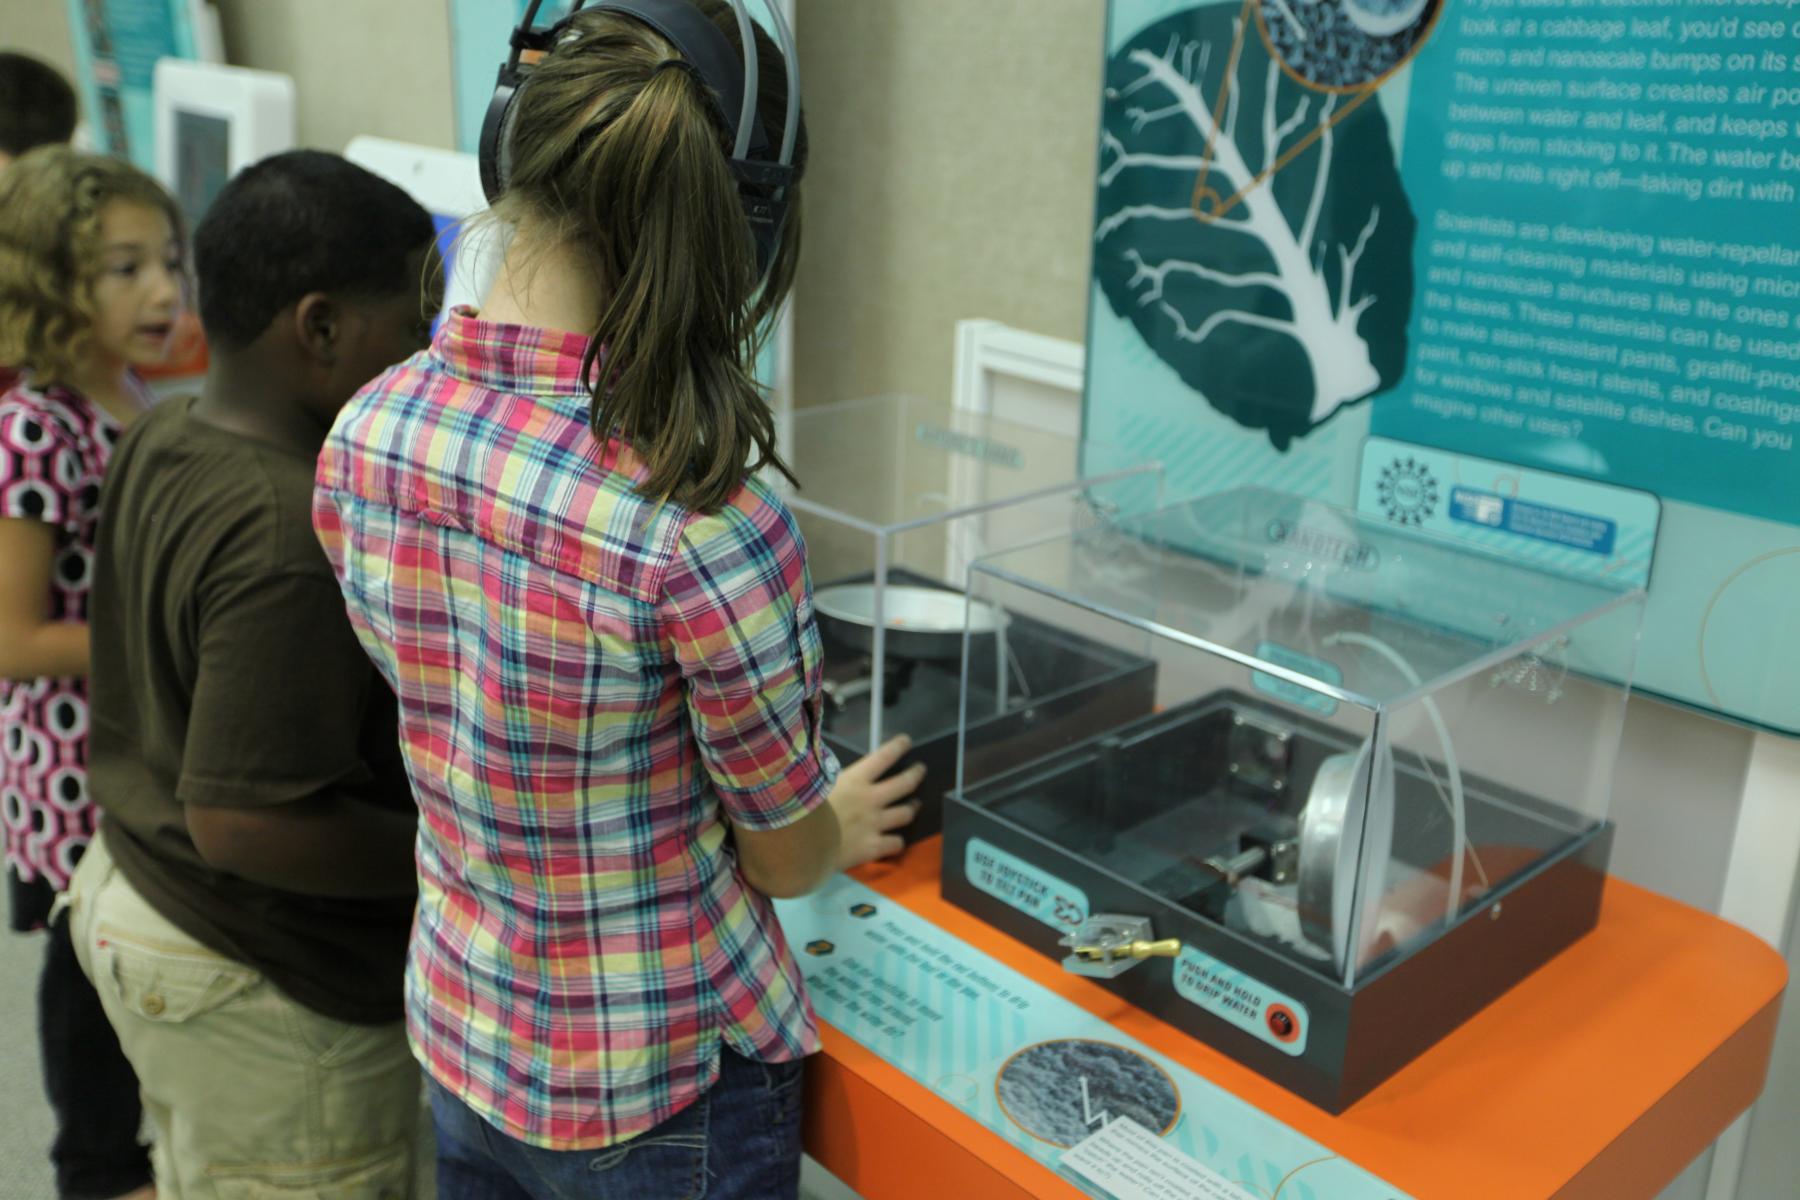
pixel 253 1096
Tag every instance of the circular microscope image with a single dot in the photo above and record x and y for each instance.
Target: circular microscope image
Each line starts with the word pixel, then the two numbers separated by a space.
pixel 1064 1091
pixel 1344 45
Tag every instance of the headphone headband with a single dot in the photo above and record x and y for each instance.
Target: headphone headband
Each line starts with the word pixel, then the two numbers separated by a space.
pixel 764 179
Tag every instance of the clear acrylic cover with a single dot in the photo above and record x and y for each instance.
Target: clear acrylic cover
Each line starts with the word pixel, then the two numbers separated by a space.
pixel 897 496
pixel 1357 733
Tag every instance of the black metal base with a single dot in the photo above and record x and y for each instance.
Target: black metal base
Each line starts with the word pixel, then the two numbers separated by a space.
pixel 1076 685
pixel 1545 893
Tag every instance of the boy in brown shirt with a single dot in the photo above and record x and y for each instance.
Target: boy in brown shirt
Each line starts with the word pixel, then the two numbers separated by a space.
pixel 244 913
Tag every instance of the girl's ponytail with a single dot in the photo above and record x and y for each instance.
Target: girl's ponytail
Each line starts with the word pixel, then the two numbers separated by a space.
pixel 619 151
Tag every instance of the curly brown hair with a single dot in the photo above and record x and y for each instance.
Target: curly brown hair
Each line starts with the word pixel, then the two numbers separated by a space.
pixel 51 200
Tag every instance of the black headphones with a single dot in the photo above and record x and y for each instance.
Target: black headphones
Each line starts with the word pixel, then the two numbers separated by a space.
pixel 765 181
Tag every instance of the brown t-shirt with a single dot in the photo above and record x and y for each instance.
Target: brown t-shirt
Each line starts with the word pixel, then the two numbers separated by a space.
pixel 225 672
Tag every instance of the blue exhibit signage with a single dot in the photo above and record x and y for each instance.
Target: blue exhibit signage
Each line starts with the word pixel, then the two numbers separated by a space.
pixel 1108 1113
pixel 1549 244
pixel 1610 263
pixel 117 44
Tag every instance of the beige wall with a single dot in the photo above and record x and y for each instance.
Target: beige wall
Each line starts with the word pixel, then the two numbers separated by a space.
pixel 952 176
pixel 362 66
pixel 39 28
pixel 952 169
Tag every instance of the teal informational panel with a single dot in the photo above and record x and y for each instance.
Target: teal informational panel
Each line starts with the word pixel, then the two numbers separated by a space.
pixel 1525 272
pixel 117 43
pixel 1111 1115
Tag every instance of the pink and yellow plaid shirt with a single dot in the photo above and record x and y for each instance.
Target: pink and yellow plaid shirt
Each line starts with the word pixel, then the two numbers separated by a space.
pixel 592 689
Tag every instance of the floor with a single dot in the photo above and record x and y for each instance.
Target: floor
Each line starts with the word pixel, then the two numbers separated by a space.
pixel 25 1118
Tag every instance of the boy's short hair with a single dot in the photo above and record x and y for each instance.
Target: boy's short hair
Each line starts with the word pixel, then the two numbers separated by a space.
pixel 295 223
pixel 37 105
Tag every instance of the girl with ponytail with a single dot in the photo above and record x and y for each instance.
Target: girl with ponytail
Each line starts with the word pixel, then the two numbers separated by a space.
pixel 553 542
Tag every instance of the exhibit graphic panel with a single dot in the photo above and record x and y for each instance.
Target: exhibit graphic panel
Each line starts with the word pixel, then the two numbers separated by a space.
pixel 117 44
pixel 1522 272
pixel 1108 1113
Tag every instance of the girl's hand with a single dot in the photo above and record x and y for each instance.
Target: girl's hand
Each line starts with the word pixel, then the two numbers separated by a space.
pixel 872 810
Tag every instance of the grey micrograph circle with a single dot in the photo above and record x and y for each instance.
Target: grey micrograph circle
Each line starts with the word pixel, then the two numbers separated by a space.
pixel 1066 1090
pixel 1344 45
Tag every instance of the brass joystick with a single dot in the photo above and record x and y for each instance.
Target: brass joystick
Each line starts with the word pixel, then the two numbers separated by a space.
pixel 1164 948
pixel 1107 945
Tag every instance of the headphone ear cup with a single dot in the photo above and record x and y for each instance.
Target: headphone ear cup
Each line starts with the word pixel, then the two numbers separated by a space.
pixel 496 135
pixel 765 207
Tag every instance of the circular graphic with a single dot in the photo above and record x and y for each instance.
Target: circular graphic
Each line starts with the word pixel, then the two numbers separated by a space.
pixel 1344 45
pixel 960 1089
pixel 13 810
pixel 68 716
pixel 1063 1091
pixel 67 789
pixel 21 432
pixel 68 854
pixel 1408 491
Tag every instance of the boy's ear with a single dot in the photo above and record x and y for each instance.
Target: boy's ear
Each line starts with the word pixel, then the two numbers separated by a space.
pixel 318 326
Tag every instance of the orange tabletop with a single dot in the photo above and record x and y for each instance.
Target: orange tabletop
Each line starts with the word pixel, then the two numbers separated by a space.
pixel 1599 1077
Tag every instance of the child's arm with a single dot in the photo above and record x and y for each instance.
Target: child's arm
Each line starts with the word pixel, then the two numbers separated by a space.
pixel 35 457
pixel 865 804
pixel 31 645
pixel 327 845
pixel 737 611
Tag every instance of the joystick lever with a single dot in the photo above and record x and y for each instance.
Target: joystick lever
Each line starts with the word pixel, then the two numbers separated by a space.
pixel 1107 945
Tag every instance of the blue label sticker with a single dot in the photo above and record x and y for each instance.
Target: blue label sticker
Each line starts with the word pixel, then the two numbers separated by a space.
pixel 1294 693
pixel 1253 1006
pixel 1569 525
pixel 1035 892
pixel 1596 535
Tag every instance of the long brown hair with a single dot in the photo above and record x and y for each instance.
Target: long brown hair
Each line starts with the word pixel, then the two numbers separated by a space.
pixel 620 152
pixel 51 202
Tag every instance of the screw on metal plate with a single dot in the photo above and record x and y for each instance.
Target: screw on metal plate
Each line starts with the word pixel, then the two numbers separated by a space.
pixel 1259 750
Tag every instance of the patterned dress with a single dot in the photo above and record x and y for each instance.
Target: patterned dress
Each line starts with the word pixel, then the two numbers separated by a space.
pixel 54 447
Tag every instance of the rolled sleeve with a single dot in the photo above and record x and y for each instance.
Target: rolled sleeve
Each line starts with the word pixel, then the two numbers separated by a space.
pixel 737 612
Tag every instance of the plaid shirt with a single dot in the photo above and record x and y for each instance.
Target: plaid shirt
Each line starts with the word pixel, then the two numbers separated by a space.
pixel 590 687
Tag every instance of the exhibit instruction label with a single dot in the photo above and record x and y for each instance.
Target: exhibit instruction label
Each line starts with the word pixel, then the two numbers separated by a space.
pixel 1108 1113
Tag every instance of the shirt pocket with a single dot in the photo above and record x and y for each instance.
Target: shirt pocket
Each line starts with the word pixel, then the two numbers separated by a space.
pixel 169 984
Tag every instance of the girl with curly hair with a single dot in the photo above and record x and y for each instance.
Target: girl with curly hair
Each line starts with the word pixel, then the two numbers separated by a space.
pixel 92 255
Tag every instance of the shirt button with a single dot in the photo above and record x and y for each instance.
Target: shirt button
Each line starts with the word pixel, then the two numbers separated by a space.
pixel 153 1005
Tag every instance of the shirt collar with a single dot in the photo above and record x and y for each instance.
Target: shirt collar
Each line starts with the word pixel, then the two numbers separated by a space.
pixel 512 358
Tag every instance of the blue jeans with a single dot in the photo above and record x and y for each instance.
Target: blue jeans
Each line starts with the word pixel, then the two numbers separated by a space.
pixel 738 1141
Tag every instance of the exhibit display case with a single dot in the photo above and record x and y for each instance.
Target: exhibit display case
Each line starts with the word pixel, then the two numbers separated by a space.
pixel 898 495
pixel 1371 793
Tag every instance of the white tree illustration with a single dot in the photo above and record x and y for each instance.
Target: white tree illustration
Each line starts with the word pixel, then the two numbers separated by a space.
pixel 1321 319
